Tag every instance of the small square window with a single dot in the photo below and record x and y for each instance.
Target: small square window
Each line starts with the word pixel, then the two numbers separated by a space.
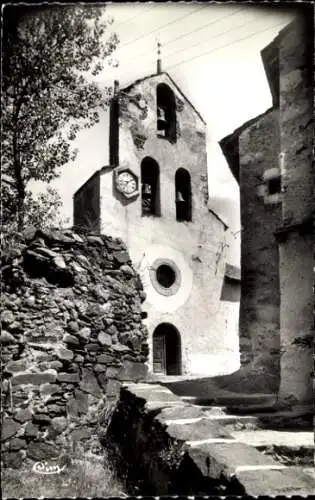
pixel 274 185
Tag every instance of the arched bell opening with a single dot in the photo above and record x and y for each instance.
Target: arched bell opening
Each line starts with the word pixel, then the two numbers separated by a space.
pixel 183 195
pixel 150 187
pixel 166 112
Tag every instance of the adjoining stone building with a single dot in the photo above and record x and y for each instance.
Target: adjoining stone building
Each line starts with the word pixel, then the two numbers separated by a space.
pixel 271 158
pixel 154 196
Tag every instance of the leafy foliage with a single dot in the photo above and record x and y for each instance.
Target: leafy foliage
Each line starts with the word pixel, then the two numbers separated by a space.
pixel 50 56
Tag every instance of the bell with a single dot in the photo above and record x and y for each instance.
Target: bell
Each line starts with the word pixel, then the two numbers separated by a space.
pixel 161 120
pixel 179 197
pixel 161 113
pixel 146 189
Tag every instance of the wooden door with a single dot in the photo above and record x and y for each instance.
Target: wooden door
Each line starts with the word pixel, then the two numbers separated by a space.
pixel 159 355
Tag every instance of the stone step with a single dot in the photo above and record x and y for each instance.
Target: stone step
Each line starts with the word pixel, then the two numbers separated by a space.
pixel 234 420
pixel 236 401
pixel 265 437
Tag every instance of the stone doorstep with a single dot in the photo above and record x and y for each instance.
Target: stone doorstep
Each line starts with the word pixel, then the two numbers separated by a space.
pixel 232 419
pixel 234 400
pixel 264 438
pixel 172 414
pixel 257 473
pixel 273 482
pixel 154 394
pixel 197 431
pixel 225 457
pixel 159 405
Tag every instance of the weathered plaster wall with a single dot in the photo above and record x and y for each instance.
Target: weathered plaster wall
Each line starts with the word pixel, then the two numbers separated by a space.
pixel 198 247
pixel 260 295
pixel 296 241
pixel 71 332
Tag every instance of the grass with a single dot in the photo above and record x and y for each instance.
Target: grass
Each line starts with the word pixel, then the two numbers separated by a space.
pixel 86 476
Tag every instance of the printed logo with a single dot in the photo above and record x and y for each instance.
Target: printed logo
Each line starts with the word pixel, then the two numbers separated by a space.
pixel 46 468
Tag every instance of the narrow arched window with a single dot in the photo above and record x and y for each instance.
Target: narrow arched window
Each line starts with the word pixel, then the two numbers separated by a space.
pixel 183 195
pixel 166 112
pixel 150 187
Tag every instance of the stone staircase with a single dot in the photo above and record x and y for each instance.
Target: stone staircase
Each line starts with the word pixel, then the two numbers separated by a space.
pixel 225 448
pixel 293 448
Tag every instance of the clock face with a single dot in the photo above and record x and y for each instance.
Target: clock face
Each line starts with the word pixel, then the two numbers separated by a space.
pixel 126 182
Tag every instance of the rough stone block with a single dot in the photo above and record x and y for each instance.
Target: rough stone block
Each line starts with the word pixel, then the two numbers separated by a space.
pixel 104 359
pixel 56 409
pixel 104 339
pixel 70 378
pixel 59 424
pixel 16 366
pixel 12 459
pixel 102 380
pixel 71 340
pixel 73 326
pixel 172 413
pixel 48 389
pixel 7 338
pixel 9 429
pixel 55 365
pixel 42 450
pixel 89 383
pixel 23 415
pixel 99 368
pixel 112 388
pixel 132 371
pixel 78 404
pixel 127 270
pixel 120 348
pixel 112 372
pixel 64 354
pixel 121 257
pixel 31 430
pixel 80 434
pixel 16 444
pixel 198 431
pixel 34 378
pixel 95 239
pixel 41 419
pixel 284 482
pixel 84 333
pixel 217 459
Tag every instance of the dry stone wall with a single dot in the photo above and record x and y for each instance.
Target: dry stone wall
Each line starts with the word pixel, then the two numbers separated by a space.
pixel 71 332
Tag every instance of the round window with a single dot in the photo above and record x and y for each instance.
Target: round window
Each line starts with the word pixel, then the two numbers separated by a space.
pixel 165 275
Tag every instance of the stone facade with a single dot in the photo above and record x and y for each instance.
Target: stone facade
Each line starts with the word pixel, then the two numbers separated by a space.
pixel 71 332
pixel 271 157
pixel 295 236
pixel 255 147
pixel 195 249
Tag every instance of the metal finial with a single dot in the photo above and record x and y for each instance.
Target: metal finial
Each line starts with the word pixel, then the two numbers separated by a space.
pixel 159 62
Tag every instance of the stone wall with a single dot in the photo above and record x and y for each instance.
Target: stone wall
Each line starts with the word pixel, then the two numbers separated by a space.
pixel 260 296
pixel 71 332
pixel 295 237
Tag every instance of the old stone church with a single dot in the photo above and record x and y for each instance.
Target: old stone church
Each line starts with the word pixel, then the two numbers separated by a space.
pixel 154 196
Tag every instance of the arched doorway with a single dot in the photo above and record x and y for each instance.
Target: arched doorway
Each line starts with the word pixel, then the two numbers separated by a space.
pixel 167 350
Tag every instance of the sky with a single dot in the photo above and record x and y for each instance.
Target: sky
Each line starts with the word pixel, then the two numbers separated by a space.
pixel 212 51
